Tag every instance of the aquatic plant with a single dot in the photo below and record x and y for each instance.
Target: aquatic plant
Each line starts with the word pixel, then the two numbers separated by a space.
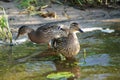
pixel 5 32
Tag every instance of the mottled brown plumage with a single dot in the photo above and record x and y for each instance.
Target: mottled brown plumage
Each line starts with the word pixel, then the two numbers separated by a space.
pixel 68 46
pixel 43 34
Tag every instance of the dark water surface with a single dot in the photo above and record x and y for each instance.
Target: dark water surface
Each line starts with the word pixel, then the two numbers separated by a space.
pixel 99 59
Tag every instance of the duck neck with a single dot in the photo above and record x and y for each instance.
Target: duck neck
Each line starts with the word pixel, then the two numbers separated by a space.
pixel 72 35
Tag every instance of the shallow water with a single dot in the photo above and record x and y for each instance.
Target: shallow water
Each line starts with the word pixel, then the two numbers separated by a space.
pixel 101 61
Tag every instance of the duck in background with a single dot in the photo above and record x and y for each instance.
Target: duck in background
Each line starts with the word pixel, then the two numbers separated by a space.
pixel 43 34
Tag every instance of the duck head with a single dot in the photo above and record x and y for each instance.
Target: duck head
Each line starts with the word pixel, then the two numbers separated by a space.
pixel 23 30
pixel 74 27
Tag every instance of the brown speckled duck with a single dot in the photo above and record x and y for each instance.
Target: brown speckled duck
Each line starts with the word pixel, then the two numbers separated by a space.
pixel 68 46
pixel 43 34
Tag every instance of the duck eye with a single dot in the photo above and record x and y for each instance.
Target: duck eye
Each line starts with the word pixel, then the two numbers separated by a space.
pixel 73 24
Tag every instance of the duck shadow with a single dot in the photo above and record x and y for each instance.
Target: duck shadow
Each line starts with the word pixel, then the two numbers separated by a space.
pixel 66 66
pixel 70 67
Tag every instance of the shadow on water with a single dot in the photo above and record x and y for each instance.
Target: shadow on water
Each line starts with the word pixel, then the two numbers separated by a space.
pixel 101 61
pixel 42 67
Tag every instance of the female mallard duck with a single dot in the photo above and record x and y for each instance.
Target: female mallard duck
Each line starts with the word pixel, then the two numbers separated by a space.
pixel 43 34
pixel 68 46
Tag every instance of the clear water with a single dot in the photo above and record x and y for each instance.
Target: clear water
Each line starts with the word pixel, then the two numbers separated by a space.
pixel 101 61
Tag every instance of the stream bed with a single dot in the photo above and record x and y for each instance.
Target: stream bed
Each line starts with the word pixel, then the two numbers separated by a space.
pixel 99 58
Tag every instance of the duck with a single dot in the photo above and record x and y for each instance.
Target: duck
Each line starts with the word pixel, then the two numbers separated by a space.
pixel 68 46
pixel 43 34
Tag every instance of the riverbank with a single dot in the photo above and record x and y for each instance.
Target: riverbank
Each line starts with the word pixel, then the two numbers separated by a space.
pixel 86 17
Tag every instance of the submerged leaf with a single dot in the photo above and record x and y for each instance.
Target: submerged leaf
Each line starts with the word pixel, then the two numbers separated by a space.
pixel 60 75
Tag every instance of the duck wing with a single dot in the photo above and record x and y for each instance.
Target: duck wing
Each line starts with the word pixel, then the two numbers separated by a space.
pixel 59 43
pixel 51 30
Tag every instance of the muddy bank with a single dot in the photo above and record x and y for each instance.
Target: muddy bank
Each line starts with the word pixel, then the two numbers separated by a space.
pixel 16 19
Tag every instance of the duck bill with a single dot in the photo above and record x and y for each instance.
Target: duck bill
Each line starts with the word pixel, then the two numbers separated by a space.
pixel 17 37
pixel 81 30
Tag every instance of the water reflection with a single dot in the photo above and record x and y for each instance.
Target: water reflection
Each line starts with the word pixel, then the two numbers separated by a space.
pixel 48 62
pixel 98 59
pixel 70 65
pixel 102 60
